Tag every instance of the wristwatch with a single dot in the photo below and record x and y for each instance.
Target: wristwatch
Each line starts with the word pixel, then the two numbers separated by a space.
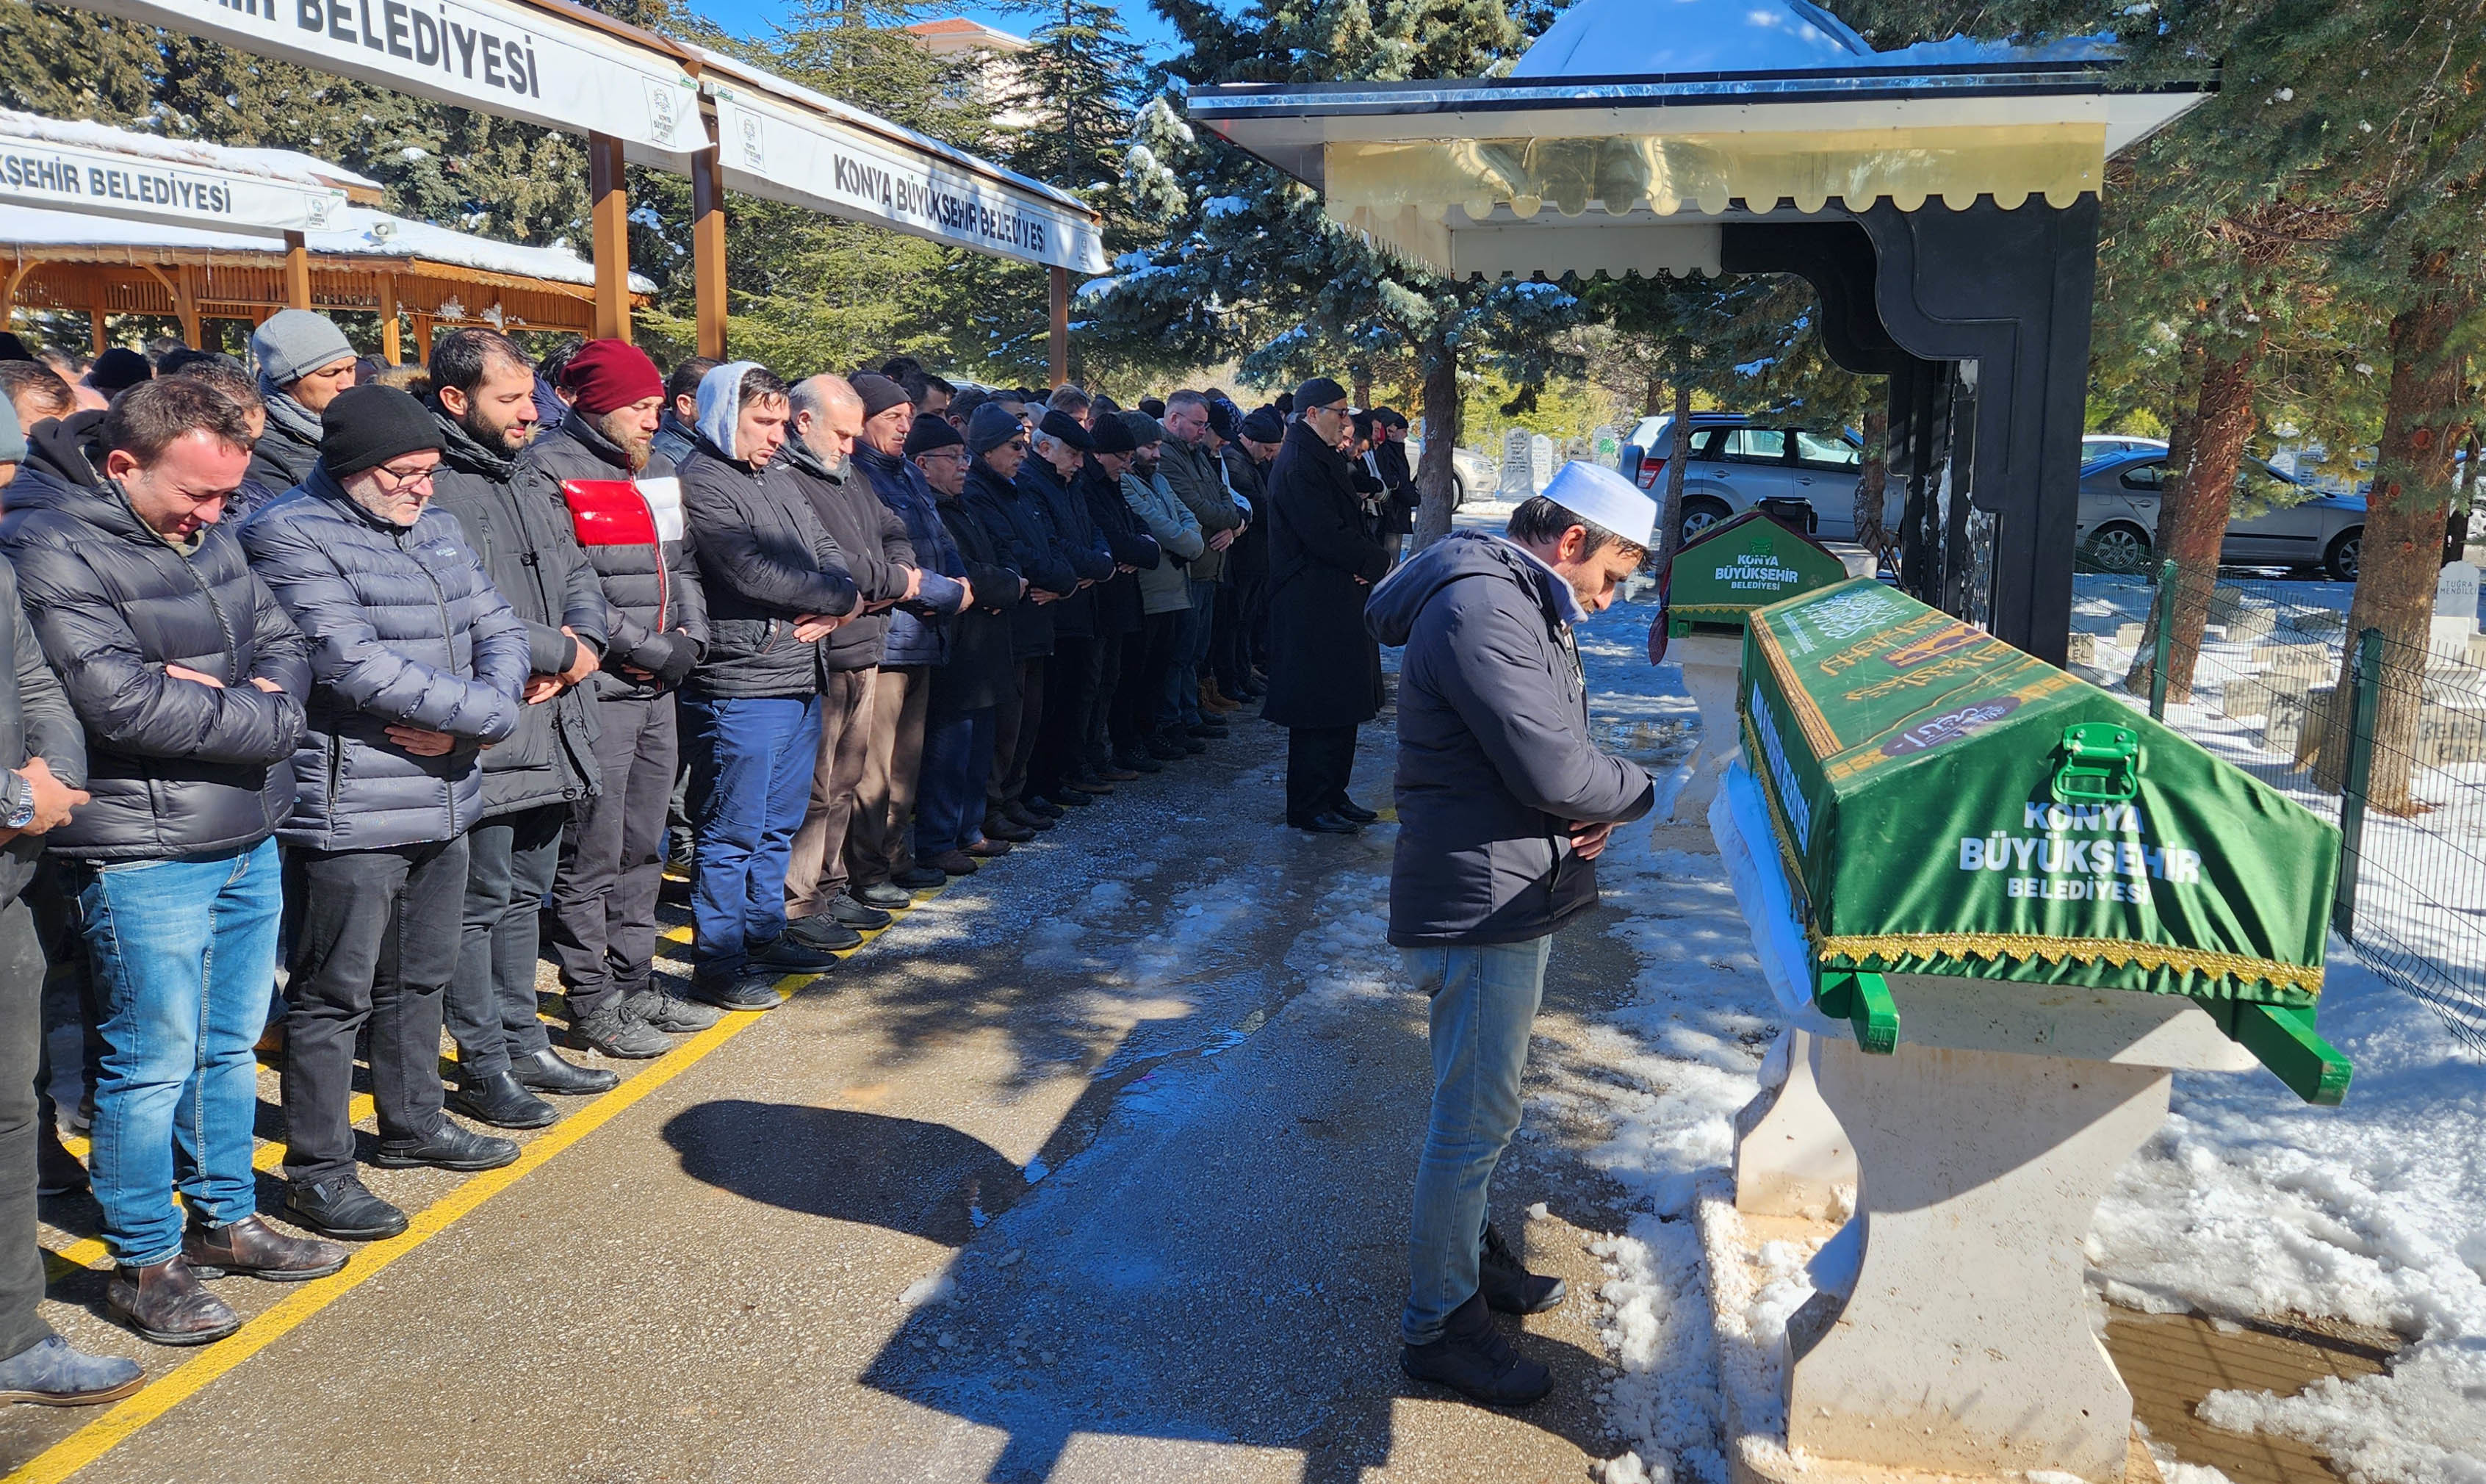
pixel 17 797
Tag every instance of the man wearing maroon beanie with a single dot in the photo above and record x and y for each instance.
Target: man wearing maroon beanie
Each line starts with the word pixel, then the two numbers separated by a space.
pixel 625 505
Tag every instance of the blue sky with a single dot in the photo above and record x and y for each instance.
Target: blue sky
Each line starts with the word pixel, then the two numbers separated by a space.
pixel 753 18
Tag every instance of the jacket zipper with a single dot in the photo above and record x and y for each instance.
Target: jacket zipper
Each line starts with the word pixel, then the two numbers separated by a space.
pixel 663 592
pixel 448 646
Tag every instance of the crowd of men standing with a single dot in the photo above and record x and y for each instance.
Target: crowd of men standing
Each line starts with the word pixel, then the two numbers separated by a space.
pixel 333 694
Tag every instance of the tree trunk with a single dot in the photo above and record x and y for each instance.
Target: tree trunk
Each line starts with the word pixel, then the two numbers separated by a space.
pixel 1362 376
pixel 1441 368
pixel 1869 488
pixel 2181 430
pixel 2193 510
pixel 1670 515
pixel 2402 556
pixel 1651 392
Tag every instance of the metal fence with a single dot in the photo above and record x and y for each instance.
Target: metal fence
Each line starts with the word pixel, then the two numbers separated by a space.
pixel 2386 739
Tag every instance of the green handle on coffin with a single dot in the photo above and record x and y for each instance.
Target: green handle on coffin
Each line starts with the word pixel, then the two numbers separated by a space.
pixel 2283 1038
pixel 2101 764
pixel 1864 1000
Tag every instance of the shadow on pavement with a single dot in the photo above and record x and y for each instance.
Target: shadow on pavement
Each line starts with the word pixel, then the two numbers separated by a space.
pixel 924 1179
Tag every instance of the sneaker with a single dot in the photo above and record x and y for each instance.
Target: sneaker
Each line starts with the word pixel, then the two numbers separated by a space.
pixel 887 896
pixel 821 932
pixel 165 1302
pixel 1474 1360
pixel 449 1145
pixel 48 1373
pixel 612 1030
pixel 253 1249
pixel 855 915
pixel 925 877
pixel 340 1207
pixel 1507 1286
pixel 669 1014
pixel 952 863
pixel 744 992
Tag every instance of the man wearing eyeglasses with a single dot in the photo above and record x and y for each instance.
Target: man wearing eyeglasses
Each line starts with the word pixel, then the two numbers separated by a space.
pixel 417 664
pixel 1324 670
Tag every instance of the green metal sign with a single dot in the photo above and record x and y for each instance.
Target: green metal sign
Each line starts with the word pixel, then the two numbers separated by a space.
pixel 1739 564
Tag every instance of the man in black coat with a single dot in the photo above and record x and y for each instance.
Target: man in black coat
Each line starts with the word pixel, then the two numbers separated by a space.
pixel 969 687
pixel 1120 610
pixel 600 470
pixel 1324 670
pixel 189 681
pixel 1399 496
pixel 482 392
pixel 1032 547
pixel 1059 449
pixel 777 585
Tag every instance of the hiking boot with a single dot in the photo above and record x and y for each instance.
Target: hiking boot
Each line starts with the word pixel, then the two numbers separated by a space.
pixel 887 896
pixel 1507 1286
pixel 855 915
pixel 51 1374
pixel 821 932
pixel 669 1014
pixel 611 1030
pixel 340 1207
pixel 449 1145
pixel 544 1072
pixel 501 1102
pixel 165 1302
pixel 1474 1360
pixel 253 1249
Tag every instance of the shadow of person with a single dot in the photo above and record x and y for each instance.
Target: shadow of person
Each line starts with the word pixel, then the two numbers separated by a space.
pixel 924 1179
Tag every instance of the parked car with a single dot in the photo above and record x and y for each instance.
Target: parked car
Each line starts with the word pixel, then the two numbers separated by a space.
pixel 2097 445
pixel 1473 476
pixel 1738 461
pixel 2275 523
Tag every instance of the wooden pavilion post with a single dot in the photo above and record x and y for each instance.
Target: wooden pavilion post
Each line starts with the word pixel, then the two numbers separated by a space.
pixel 95 330
pixel 610 204
pixel 391 344
pixel 423 338
pixel 1059 308
pixel 297 272
pixel 708 246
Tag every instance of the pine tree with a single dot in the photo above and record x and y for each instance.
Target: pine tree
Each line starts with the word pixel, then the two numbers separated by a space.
pixel 1078 85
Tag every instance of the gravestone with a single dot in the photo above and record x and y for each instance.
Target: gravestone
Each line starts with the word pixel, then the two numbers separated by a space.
pixel 1540 459
pixel 1518 465
pixel 1606 445
pixel 2455 611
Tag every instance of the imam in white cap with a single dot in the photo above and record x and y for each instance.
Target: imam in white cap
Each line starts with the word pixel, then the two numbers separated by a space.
pixel 1596 493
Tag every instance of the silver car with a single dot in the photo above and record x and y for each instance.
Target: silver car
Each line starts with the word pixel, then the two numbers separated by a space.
pixel 2276 521
pixel 1738 461
pixel 1473 476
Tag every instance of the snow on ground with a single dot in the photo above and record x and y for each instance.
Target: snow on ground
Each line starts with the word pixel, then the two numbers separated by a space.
pixel 2248 1204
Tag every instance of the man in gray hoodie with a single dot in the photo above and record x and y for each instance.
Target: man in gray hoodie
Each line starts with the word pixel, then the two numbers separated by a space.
pixel 1504 805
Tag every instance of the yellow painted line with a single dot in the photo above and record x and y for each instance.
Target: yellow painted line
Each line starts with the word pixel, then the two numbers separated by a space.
pixel 186 1380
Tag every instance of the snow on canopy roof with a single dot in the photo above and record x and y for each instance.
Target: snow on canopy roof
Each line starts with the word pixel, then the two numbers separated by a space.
pixel 273 164
pixel 1661 38
pixel 366 233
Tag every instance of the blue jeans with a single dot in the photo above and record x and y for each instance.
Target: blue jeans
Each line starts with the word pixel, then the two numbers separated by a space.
pixel 1190 648
pixel 1484 1001
pixel 183 952
pixel 752 759
pixel 949 788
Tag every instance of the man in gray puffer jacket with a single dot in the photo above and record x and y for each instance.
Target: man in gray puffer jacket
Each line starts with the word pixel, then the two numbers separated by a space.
pixel 1504 805
pixel 416 664
pixel 482 392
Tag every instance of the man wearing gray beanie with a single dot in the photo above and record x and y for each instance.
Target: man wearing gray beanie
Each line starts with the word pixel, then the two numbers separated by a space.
pixel 304 360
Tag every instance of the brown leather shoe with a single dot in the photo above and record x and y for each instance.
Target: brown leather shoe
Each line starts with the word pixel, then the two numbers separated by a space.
pixel 1211 699
pixel 165 1302
pixel 986 849
pixel 954 862
pixel 255 1250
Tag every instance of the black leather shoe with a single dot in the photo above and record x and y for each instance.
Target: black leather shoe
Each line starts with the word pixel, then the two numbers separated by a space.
pixel 887 896
pixel 855 915
pixel 1069 798
pixel 1475 1362
pixel 57 1171
pixel 1167 749
pixel 449 1145
pixel 1026 816
pixel 1348 809
pixel 1211 730
pixel 742 992
pixel 808 953
pixel 501 1102
pixel 999 827
pixel 1326 823
pixel 166 1303
pixel 1040 806
pixel 1137 762
pixel 921 878
pixel 546 1072
pixel 340 1207
pixel 1507 1286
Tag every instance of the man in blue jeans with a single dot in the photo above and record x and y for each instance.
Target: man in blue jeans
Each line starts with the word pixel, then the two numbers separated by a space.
pixel 189 681
pixel 1503 805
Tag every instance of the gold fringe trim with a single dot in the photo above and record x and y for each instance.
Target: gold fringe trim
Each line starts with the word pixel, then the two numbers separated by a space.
pixel 1799 701
pixel 2118 951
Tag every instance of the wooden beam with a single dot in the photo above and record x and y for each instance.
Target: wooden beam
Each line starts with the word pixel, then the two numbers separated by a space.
pixel 391 347
pixel 423 338
pixel 297 272
pixel 1059 296
pixel 185 298
pixel 9 288
pixel 610 205
pixel 707 247
pixel 95 332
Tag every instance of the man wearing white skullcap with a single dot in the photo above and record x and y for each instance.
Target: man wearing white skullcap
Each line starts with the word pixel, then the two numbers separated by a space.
pixel 1503 804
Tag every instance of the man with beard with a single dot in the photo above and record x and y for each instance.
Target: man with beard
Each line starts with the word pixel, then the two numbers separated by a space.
pixel 1032 547
pixel 676 433
pixel 482 392
pixel 603 466
pixel 821 909
pixel 304 360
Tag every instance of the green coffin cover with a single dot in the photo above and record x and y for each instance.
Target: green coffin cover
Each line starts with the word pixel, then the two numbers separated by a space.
pixel 1740 564
pixel 1935 820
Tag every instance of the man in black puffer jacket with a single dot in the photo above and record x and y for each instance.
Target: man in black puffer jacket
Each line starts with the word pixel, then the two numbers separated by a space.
pixel 1030 545
pixel 624 504
pixel 1059 449
pixel 482 392
pixel 417 665
pixel 189 681
pixel 777 585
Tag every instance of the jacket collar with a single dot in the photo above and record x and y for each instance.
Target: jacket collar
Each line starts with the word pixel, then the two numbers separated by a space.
pixel 465 454
pixel 808 460
pixel 579 425
pixel 1564 601
pixel 288 416
pixel 321 485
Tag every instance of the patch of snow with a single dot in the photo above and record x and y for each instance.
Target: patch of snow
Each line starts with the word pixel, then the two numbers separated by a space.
pixel 932 1289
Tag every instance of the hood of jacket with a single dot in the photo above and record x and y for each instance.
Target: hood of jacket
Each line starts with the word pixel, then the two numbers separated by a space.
pixel 62 450
pixel 1389 613
pixel 720 404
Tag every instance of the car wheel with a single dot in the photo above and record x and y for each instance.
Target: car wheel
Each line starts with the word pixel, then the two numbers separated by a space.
pixel 1459 491
pixel 1698 516
pixel 2119 547
pixel 2340 561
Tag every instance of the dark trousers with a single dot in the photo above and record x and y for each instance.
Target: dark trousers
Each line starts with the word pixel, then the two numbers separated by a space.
pixel 1106 666
pixel 603 922
pixel 958 756
pixel 491 1004
pixel 21 1034
pixel 1070 688
pixel 378 941
pixel 1015 727
pixel 1140 696
pixel 1227 660
pixel 1318 762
